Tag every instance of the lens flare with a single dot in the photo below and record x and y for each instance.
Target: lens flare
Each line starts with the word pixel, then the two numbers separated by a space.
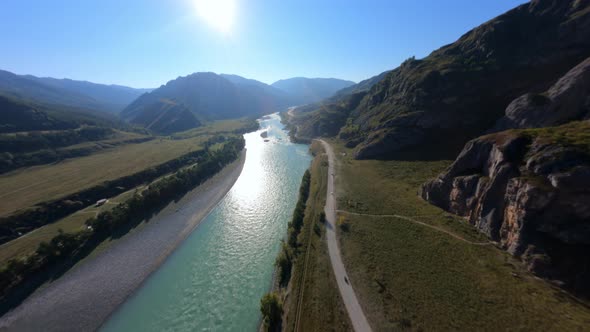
pixel 219 14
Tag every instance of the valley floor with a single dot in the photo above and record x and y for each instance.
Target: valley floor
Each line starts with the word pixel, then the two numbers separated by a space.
pixel 413 266
pixel 94 288
pixel 28 186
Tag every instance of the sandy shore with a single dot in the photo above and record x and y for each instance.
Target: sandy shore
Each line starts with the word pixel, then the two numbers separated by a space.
pixel 85 296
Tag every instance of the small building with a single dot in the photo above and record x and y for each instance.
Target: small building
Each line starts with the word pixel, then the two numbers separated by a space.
pixel 101 202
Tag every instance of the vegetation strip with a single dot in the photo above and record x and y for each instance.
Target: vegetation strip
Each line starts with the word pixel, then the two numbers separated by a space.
pixel 303 274
pixel 44 213
pixel 53 258
pixel 271 304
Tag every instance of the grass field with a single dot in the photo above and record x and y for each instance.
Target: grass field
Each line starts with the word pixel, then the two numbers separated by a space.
pixel 27 244
pixel 409 276
pixel 26 187
pixel 321 306
pixel 119 137
pixel 216 127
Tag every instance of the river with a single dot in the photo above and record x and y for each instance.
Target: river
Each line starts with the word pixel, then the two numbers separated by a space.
pixel 214 280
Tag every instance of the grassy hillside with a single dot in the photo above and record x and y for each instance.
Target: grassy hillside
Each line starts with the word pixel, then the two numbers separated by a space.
pixel 18 115
pixel 26 149
pixel 112 98
pixel 411 276
pixel 326 118
pixel 165 117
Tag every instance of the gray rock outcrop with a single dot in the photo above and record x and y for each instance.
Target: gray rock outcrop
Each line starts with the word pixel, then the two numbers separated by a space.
pixel 530 192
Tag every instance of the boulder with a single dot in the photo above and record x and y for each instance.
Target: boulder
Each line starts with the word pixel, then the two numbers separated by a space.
pixel 566 100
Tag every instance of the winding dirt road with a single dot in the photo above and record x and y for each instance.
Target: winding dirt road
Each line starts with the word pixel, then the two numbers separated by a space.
pixel 439 229
pixel 355 312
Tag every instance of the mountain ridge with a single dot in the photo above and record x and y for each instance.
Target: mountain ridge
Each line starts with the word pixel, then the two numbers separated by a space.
pixel 210 96
pixel 309 90
pixel 68 92
pixel 460 90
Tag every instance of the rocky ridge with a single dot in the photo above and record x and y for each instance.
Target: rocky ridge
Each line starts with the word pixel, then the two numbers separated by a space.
pixel 529 190
pixel 566 100
pixel 461 90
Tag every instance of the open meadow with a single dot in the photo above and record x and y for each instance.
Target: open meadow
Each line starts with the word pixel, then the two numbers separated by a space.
pixel 420 268
pixel 29 186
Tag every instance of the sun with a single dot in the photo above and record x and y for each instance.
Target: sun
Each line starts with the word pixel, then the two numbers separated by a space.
pixel 219 14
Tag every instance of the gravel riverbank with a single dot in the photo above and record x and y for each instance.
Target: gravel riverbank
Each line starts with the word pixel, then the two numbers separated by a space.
pixel 85 296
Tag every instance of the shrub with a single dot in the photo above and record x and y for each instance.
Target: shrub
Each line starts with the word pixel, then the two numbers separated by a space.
pixel 271 309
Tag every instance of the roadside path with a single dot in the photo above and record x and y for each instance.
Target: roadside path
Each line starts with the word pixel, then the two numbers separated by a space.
pixel 355 312
pixel 458 237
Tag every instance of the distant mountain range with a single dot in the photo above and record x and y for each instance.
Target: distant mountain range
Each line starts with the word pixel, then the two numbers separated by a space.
pixel 310 90
pixel 201 97
pixel 17 115
pixel 362 86
pixel 66 92
pixel 181 104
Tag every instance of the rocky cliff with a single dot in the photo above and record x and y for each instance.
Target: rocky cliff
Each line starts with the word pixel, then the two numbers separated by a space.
pixel 530 191
pixel 566 100
pixel 460 91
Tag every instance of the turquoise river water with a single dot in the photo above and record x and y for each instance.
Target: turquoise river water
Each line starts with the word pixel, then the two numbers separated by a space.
pixel 216 277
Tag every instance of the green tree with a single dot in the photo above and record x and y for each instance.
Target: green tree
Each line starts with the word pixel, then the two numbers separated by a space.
pixel 271 309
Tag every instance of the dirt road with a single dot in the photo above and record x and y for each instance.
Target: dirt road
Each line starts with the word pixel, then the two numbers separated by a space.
pixel 355 312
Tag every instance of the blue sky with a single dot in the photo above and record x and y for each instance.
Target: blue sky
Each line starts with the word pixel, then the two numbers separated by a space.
pixel 145 43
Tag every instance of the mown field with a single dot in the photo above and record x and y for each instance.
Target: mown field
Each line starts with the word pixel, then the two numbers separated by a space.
pixel 408 276
pixel 29 186
pixel 319 305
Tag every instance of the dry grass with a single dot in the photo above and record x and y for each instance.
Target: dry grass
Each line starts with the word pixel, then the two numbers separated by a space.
pixel 216 127
pixel 409 276
pixel 27 244
pixel 120 137
pixel 26 187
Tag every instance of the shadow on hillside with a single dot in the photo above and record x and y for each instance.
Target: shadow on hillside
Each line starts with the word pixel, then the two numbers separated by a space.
pixel 436 147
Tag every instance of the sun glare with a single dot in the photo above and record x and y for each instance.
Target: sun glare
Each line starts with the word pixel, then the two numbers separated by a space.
pixel 219 14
